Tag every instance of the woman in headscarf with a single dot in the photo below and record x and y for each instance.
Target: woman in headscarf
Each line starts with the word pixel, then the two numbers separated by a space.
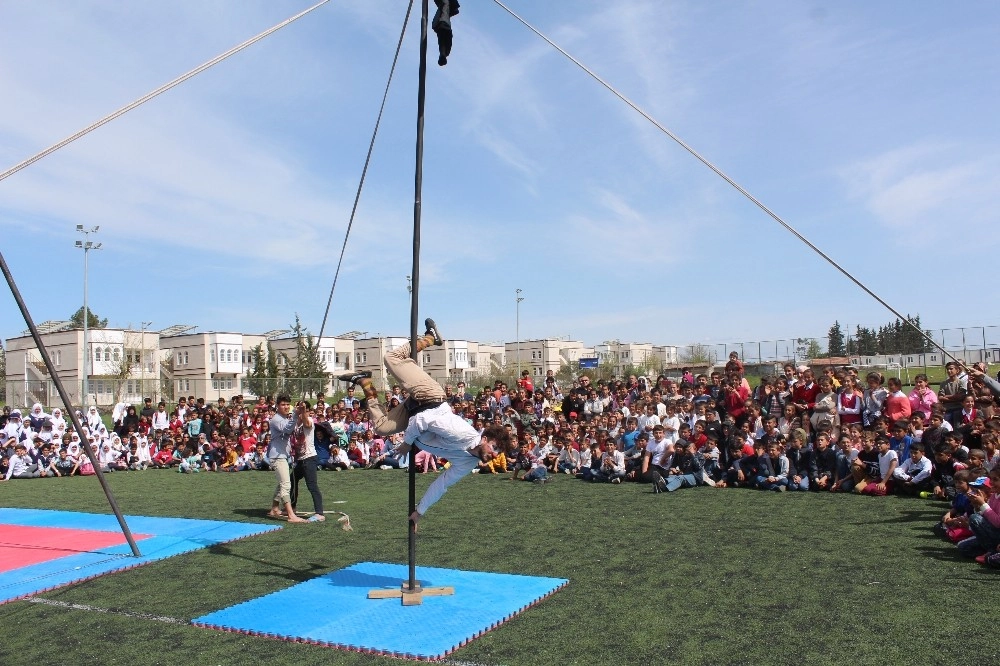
pixel 37 417
pixel 94 419
pixel 59 424
pixel 130 420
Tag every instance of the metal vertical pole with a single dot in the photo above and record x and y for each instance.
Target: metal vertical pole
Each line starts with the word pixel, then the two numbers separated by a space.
pixel 86 344
pixel 415 273
pixel 517 325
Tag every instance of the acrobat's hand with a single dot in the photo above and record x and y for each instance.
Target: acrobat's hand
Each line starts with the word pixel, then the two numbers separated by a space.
pixel 415 519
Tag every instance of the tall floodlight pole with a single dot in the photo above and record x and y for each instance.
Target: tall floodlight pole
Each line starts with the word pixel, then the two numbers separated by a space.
pixel 517 326
pixel 142 357
pixel 86 246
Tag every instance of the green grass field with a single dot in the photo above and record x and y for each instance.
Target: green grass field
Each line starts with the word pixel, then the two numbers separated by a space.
pixel 701 576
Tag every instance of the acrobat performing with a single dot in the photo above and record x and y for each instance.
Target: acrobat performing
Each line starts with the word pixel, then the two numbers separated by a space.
pixel 426 419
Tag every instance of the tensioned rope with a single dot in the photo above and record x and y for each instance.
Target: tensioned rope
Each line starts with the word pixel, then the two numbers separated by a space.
pixel 162 89
pixel 364 171
pixel 719 172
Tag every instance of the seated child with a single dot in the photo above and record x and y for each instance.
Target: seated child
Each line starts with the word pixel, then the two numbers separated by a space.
pixel 772 469
pixel 822 464
pixel 710 454
pixel 190 464
pixel 742 469
pixel 231 461
pixel 569 457
pixel 533 468
pixel 799 460
pixel 977 463
pixel 612 468
pixel 943 475
pixel 985 519
pixel 887 462
pixel 913 476
pixel 687 471
pixel 954 525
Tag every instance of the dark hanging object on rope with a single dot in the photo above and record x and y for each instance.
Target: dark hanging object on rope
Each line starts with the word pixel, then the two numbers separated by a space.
pixel 441 25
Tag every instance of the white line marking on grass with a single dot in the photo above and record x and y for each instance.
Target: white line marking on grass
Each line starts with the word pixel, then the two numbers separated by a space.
pixel 111 611
pixel 167 620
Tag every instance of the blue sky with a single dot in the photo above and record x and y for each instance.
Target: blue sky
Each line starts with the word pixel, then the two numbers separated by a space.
pixel 870 127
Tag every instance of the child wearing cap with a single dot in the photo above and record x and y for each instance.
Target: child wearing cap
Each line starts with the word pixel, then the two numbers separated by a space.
pixel 985 522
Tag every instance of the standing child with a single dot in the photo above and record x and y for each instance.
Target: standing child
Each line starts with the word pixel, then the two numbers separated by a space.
pixel 873 401
pixel 897 404
pixel 849 406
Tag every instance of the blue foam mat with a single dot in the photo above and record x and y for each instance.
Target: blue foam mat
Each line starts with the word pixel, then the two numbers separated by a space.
pixel 167 537
pixel 334 610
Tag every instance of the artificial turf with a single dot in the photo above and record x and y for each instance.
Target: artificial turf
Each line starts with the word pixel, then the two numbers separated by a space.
pixel 698 576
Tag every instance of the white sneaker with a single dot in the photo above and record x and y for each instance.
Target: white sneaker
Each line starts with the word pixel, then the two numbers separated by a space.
pixel 475 471
pixel 617 479
pixel 386 467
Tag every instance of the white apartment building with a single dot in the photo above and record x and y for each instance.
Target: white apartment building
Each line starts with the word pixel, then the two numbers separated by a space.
pixel 206 365
pixel 462 360
pixel 123 366
pixel 540 356
pixel 619 355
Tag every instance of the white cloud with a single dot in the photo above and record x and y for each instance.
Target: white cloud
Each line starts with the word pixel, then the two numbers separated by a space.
pixel 935 192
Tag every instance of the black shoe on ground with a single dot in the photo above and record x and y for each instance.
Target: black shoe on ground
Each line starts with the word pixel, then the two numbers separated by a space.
pixel 432 330
pixel 355 377
pixel 659 484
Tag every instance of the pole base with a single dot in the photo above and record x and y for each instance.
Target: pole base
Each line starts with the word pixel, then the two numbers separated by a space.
pixel 411 596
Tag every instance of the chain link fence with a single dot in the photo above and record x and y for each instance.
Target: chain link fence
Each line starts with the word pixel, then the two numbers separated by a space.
pixel 105 393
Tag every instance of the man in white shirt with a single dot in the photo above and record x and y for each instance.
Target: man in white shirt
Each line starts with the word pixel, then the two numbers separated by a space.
pixel 426 419
pixel 161 420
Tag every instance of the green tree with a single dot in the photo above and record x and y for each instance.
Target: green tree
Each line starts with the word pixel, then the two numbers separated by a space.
pixel 835 341
pixel 307 365
pixel 261 379
pixel 93 321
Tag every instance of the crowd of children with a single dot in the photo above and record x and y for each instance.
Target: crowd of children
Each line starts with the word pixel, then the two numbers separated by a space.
pixel 836 433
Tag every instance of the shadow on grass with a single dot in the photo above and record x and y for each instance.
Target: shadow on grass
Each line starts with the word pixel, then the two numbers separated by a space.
pixel 255 513
pixel 307 571
pixel 916 516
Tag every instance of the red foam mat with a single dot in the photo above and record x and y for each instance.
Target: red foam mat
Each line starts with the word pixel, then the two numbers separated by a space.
pixel 22 546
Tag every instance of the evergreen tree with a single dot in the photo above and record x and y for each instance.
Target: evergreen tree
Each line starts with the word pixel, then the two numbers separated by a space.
pixel 93 321
pixel 307 365
pixel 835 341
pixel 261 379
pixel 866 341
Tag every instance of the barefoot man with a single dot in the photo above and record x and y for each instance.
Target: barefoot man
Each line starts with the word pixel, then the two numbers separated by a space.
pixel 281 426
pixel 426 419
